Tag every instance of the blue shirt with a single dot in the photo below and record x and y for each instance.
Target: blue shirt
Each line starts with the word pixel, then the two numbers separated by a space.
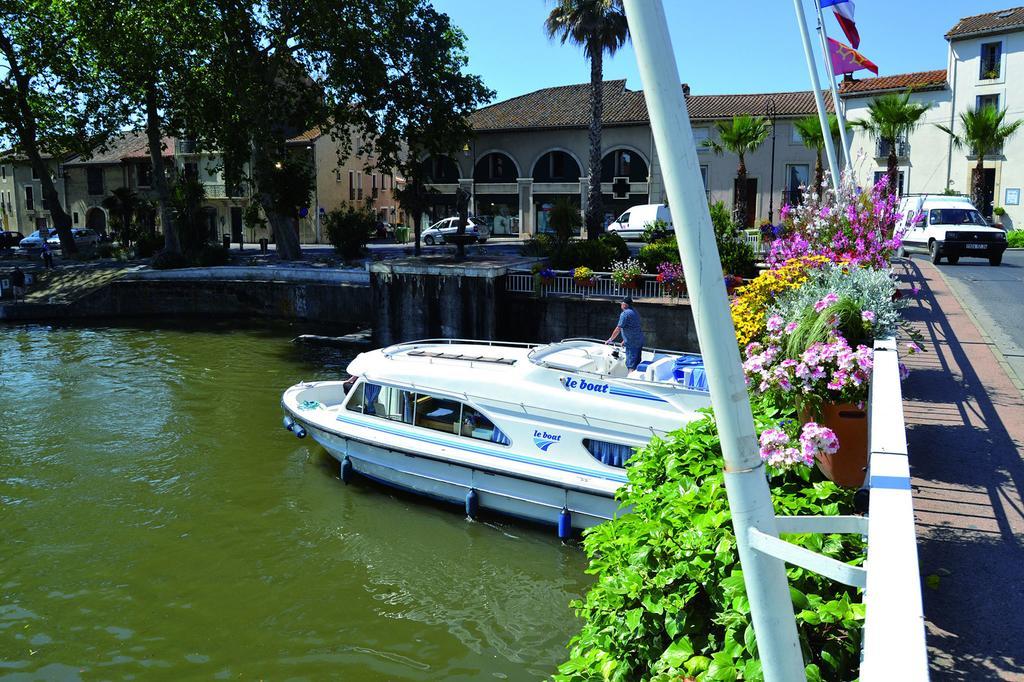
pixel 629 322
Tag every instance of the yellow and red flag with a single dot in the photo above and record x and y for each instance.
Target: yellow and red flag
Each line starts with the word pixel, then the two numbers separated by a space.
pixel 845 59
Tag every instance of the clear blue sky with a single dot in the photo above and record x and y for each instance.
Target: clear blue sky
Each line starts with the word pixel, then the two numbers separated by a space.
pixel 722 46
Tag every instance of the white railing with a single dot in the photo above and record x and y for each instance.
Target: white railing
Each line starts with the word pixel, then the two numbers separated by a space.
pixel 753 237
pixel 894 635
pixel 602 286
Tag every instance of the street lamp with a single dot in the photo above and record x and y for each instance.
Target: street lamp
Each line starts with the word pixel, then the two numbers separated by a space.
pixel 771 112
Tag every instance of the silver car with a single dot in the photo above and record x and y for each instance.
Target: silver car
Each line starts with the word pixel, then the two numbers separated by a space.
pixel 84 238
pixel 436 233
pixel 35 241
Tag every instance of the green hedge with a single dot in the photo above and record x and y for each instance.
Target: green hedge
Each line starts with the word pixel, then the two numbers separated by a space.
pixel 1015 239
pixel 668 601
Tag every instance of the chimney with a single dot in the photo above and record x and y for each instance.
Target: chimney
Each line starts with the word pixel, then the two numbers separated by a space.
pixel 686 89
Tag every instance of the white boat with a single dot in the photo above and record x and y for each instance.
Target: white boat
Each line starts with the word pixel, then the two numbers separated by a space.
pixel 540 432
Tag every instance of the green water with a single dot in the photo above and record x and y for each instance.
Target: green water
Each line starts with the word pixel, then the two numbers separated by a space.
pixel 156 522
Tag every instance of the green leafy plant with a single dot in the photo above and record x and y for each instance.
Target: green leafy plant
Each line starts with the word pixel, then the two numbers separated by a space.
pixel 653 255
pixel 736 255
pixel 617 243
pixel 348 230
pixel 668 601
pixel 999 211
pixel 655 231
pixel 564 218
pixel 1015 239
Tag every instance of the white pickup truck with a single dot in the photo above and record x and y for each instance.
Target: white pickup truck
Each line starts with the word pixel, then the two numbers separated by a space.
pixel 948 227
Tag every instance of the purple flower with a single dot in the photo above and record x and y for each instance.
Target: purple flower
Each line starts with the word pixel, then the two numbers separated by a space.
pixel 825 302
pixel 868 316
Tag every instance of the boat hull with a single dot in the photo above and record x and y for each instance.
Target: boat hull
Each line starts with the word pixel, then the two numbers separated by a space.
pixel 520 497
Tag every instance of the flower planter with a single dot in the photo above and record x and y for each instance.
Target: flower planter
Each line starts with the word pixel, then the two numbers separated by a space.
pixel 630 284
pixel 850 424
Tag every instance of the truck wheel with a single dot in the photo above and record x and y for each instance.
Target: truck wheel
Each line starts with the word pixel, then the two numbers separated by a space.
pixel 428 240
pixel 953 260
pixel 995 260
pixel 933 249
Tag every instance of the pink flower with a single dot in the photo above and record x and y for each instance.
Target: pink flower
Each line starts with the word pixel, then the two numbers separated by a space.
pixel 825 302
pixel 775 323
pixel 913 348
pixel 868 316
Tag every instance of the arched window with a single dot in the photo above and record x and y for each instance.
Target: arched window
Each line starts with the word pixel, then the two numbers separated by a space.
pixel 495 167
pixel 623 163
pixel 440 170
pixel 556 166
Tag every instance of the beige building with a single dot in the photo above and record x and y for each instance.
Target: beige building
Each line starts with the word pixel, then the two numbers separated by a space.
pixel 22 208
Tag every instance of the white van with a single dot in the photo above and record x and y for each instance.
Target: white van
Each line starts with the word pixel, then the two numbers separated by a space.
pixel 632 223
pixel 948 227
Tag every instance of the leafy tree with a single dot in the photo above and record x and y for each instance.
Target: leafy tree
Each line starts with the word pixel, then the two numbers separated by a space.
pixel 809 128
pixel 55 97
pixel 564 219
pixel 386 72
pixel 984 133
pixel 153 51
pixel 741 136
pixel 598 26
pixel 348 229
pixel 414 197
pixel 892 118
pixel 187 197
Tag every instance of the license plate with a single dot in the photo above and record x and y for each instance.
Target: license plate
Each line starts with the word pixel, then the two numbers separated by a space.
pixel 977 246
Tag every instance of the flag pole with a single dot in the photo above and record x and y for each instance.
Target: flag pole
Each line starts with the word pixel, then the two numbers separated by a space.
pixel 750 503
pixel 836 102
pixel 830 148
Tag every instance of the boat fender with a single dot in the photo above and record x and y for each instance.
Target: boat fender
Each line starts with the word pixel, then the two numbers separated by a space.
pixel 288 423
pixel 472 504
pixel 564 524
pixel 299 431
pixel 346 470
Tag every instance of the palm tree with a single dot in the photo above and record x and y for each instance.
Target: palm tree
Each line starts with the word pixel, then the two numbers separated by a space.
pixel 741 135
pixel 598 26
pixel 809 128
pixel 984 134
pixel 892 118
pixel 123 204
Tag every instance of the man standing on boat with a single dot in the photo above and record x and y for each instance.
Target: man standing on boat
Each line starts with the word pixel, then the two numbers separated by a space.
pixel 632 334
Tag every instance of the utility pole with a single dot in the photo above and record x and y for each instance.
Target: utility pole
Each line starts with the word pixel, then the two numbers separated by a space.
pixel 836 102
pixel 772 112
pixel 745 481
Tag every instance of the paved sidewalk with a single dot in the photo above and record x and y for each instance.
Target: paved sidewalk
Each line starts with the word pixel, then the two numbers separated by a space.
pixel 965 423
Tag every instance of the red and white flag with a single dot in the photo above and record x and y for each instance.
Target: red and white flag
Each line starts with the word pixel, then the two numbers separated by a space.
pixel 844 15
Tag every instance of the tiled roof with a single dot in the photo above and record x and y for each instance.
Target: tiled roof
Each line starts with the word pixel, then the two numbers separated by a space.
pixel 568 106
pixel 920 80
pixel 131 145
pixel 990 22
pixel 308 136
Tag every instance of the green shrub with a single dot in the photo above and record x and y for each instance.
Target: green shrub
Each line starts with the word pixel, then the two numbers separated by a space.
pixel 668 601
pixel 349 229
pixel 736 255
pixel 593 253
pixel 656 231
pixel 148 245
pixel 538 247
pixel 565 219
pixel 212 255
pixel 616 241
pixel 105 250
pixel 169 260
pixel 653 255
pixel 1015 239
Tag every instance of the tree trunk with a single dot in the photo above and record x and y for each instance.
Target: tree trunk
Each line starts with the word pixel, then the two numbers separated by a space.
pixel 285 235
pixel 25 125
pixel 154 134
pixel 595 211
pixel 978 185
pixel 740 193
pixel 893 171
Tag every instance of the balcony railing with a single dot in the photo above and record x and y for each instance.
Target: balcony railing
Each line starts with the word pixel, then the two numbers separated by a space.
pixel 226 192
pixel 602 286
pixel 883 147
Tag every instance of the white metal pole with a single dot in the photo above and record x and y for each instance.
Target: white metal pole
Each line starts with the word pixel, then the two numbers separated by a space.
pixel 830 148
pixel 749 497
pixel 836 102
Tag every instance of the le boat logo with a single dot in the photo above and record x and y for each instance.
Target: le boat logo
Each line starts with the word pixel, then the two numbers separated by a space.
pixel 544 440
pixel 573 384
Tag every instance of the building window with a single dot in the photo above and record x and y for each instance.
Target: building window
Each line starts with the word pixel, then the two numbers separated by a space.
pixel 359 185
pixel 74 217
pixel 373 179
pixel 30 204
pixel 35 174
pixel 3 173
pixel 337 175
pixel 192 170
pixel 991 57
pixel 882 148
pixel 797 176
pixel 704 179
pixel 351 185
pixel 700 135
pixel 982 101
pixel 794 135
pixel 145 175
pixel 899 180
pixel 94 179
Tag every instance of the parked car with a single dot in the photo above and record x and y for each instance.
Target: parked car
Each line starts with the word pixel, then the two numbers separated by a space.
pixel 9 240
pixel 948 227
pixel 632 223
pixel 34 242
pixel 436 233
pixel 84 238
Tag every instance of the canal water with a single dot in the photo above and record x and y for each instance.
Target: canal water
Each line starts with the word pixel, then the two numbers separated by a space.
pixel 156 522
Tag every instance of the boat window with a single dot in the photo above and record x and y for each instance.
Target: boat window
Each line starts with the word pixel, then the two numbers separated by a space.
pixel 476 425
pixel 612 454
pixel 439 414
pixel 355 398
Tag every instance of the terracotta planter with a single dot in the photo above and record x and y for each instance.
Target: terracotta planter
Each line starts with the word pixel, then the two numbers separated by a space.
pixel 850 424
pixel 631 284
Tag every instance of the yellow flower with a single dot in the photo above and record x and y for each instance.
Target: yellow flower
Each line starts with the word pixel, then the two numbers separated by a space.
pixel 751 303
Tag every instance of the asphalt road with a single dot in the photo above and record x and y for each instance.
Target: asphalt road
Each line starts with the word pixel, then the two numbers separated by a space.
pixel 994 296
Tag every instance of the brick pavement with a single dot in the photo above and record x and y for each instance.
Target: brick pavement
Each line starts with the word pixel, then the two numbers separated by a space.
pixel 965 422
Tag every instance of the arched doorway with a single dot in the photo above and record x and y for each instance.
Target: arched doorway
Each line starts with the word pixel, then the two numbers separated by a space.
pixel 624 178
pixel 441 170
pixel 96 220
pixel 556 177
pixel 496 199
